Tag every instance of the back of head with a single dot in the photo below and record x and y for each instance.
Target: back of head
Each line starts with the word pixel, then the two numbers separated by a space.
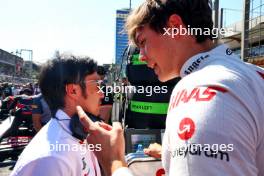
pixel 57 73
pixel 26 91
pixel 5 84
pixel 155 13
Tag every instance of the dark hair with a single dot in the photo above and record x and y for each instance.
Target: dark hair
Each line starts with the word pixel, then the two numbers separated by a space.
pixel 57 73
pixel 101 70
pixel 195 13
pixel 26 91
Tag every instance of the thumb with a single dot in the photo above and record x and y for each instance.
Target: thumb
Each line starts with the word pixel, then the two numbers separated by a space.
pixel 146 151
pixel 117 125
pixel 105 126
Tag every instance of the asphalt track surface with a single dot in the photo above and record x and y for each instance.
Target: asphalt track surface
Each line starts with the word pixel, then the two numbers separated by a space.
pixel 6 167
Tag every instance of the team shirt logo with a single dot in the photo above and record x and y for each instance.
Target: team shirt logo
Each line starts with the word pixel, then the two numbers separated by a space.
pixel 186 129
pixel 197 94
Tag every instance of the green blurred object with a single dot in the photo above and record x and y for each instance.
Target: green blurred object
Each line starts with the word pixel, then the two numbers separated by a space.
pixel 135 60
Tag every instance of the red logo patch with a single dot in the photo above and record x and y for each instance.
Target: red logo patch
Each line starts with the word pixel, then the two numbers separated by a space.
pixel 160 172
pixel 186 129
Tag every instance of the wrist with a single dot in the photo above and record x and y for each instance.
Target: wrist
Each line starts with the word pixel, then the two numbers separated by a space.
pixel 116 164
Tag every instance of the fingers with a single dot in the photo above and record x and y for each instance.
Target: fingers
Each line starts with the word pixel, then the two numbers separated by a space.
pixel 154 150
pixel 117 125
pixel 146 151
pixel 105 126
pixel 85 120
pixel 117 128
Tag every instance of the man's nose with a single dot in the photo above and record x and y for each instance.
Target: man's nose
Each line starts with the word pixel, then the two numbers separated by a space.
pixel 101 94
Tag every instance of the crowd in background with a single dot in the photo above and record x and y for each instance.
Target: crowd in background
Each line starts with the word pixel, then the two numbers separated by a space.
pixel 13 89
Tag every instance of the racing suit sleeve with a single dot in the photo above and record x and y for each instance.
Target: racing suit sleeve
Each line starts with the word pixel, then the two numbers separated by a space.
pixel 42 167
pixel 122 171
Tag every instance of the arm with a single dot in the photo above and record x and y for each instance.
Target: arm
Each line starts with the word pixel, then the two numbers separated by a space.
pixel 36 119
pixel 36 113
pixel 122 171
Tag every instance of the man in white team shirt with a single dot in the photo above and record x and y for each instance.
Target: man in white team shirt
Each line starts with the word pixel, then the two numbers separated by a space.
pixel 215 122
pixel 56 150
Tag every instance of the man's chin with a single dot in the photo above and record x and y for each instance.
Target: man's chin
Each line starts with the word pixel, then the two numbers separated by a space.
pixel 96 112
pixel 165 78
pixel 162 78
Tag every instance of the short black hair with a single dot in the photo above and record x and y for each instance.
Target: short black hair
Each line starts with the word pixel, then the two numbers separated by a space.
pixel 59 72
pixel 26 91
pixel 101 70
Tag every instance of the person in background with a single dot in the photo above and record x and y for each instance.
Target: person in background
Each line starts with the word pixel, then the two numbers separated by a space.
pixel 16 89
pixel 36 89
pixel 30 86
pixel 20 107
pixel 41 113
pixel 107 102
pixel 7 90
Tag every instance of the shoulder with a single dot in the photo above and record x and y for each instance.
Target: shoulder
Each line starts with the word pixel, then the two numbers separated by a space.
pixel 36 97
pixel 49 165
pixel 50 142
pixel 230 73
pixel 226 81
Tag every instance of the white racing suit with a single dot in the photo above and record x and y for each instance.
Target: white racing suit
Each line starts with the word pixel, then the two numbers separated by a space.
pixel 215 121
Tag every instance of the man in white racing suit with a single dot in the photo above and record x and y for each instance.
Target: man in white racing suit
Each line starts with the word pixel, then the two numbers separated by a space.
pixel 215 119
pixel 215 124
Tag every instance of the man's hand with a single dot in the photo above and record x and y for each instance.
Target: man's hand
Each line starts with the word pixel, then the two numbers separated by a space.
pixel 154 150
pixel 111 138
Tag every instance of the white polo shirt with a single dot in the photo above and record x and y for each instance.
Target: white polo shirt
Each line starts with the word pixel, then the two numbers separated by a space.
pixel 54 151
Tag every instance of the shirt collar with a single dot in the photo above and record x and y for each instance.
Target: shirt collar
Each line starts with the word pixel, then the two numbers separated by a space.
pixel 200 60
pixel 63 120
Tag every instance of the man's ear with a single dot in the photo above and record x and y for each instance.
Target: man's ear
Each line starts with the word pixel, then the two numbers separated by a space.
pixel 174 24
pixel 72 90
pixel 175 21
